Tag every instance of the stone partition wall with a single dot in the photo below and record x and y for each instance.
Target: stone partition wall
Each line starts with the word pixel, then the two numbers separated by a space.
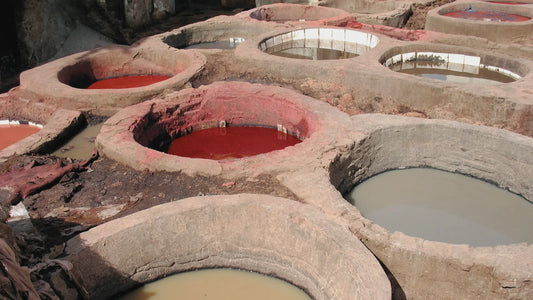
pixel 268 235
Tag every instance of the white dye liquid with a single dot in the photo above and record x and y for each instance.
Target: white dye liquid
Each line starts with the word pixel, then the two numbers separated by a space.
pixel 442 206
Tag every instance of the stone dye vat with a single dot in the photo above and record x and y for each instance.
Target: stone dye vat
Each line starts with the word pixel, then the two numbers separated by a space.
pixel 492 155
pixel 139 136
pixel 64 81
pixel 496 22
pixel 390 13
pixel 55 125
pixel 207 232
pixel 211 34
pixel 454 67
pixel 285 12
pixel 320 43
pixel 218 284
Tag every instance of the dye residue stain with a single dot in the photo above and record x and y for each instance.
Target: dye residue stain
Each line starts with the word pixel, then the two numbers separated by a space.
pixel 475 15
pixel 127 82
pixel 12 133
pixel 230 142
pixel 445 207
pixel 218 284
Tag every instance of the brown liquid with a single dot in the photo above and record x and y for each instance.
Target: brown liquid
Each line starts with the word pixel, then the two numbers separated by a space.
pixel 10 134
pixel 218 284
pixel 82 145
pixel 446 207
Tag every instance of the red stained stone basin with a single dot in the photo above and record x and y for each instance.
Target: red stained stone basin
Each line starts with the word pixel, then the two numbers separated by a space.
pixel 12 133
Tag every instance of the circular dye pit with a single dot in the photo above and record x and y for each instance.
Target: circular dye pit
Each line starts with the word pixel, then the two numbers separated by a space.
pixel 492 16
pixel 242 119
pixel 14 131
pixel 454 67
pixel 245 232
pixel 230 142
pixel 218 284
pixel 320 44
pixel 125 82
pixel 442 206
pixel 124 75
pixel 285 12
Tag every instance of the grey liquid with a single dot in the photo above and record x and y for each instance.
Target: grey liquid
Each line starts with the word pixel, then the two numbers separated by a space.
pixel 219 284
pixel 82 145
pixel 442 206
pixel 483 76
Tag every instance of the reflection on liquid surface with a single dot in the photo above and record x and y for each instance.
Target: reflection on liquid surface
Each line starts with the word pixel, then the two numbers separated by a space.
pixel 448 72
pixel 218 284
pixel 443 206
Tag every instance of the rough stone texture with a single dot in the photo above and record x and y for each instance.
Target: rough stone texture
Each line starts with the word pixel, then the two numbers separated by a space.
pixel 250 232
pixel 51 81
pixel 501 32
pixel 137 12
pixel 44 26
pixel 238 103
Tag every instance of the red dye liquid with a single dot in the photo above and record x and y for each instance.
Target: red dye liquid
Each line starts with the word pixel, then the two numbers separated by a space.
pixel 230 142
pixel 10 134
pixel 487 15
pixel 127 82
